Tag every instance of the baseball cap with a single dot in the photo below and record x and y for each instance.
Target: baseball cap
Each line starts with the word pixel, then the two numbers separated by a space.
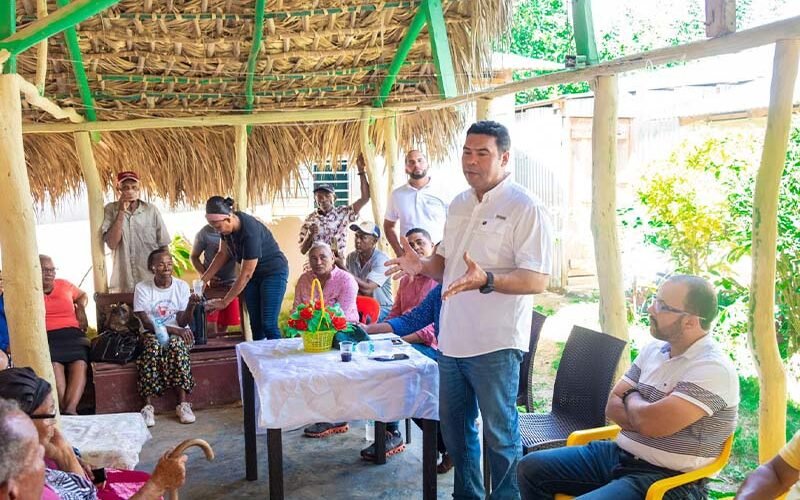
pixel 367 227
pixel 324 187
pixel 127 176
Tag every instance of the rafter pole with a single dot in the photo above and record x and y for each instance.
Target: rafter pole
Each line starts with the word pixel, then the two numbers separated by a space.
pixel 401 55
pixel 94 194
pixel 252 59
pixel 71 37
pixel 53 24
pixel 720 17
pixel 440 47
pixel 41 50
pixel 583 25
pixel 8 25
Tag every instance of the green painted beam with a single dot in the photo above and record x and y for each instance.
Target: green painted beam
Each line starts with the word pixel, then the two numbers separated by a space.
pixel 252 59
pixel 71 37
pixel 582 23
pixel 8 25
pixel 53 24
pixel 440 47
pixel 400 56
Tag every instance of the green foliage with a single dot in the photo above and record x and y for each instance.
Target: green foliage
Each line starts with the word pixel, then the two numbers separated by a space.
pixel 181 251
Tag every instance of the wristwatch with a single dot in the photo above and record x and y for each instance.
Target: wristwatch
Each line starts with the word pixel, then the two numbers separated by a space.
pixel 628 393
pixel 489 286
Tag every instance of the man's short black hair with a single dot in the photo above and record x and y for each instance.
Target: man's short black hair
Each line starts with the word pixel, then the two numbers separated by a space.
pixel 155 253
pixel 494 129
pixel 701 298
pixel 419 230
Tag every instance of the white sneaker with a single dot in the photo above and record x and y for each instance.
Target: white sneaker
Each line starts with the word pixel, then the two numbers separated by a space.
pixel 149 415
pixel 184 413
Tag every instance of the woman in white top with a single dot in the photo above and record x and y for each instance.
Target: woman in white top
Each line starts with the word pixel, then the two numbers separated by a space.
pixel 165 305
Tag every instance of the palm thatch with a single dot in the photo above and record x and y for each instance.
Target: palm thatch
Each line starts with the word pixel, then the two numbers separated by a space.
pixel 175 58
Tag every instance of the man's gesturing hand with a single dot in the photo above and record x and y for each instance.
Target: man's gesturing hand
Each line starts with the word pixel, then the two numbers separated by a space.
pixel 408 264
pixel 472 279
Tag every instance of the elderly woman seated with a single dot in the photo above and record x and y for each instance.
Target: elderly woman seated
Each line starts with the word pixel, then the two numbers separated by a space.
pixel 66 476
pixel 165 305
pixel 65 320
pixel 337 284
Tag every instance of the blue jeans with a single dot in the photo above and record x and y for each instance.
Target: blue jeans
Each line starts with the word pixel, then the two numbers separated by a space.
pixel 263 296
pixel 596 471
pixel 488 382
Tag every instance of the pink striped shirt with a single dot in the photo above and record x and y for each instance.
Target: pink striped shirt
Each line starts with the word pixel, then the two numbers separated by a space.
pixel 340 288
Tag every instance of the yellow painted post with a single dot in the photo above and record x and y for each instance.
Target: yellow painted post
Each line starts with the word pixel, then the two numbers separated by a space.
pixel 376 195
pixel 771 374
pixel 94 193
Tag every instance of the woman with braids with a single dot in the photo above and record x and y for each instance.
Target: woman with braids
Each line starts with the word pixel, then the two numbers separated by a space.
pixel 165 305
pixel 264 269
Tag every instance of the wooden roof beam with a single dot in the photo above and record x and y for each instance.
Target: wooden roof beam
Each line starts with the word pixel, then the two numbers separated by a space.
pixel 400 56
pixel 583 25
pixel 720 17
pixel 255 48
pixel 31 93
pixel 60 20
pixel 440 47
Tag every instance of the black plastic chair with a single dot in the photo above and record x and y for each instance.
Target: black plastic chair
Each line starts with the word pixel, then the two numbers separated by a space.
pixel 583 382
pixel 524 396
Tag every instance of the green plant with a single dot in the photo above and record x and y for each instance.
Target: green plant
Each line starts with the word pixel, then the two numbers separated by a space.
pixel 181 251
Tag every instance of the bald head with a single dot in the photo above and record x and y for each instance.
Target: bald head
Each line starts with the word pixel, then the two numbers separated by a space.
pixel 21 455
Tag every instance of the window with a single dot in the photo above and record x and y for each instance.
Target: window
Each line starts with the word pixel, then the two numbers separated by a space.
pixel 339 179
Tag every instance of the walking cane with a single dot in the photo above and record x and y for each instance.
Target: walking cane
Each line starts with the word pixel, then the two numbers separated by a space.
pixel 178 451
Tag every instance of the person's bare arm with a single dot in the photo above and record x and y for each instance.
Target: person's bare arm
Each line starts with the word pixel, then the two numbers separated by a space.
pixel 615 409
pixel 145 319
pixel 219 260
pixel 517 282
pixel 81 301
pixel 185 316
pixel 365 287
pixel 169 474
pixel 196 262
pixel 661 418
pixel 246 272
pixel 113 236
pixel 770 480
pixel 364 183
pixel 391 236
pixel 313 230
pixel 377 328
pixel 411 264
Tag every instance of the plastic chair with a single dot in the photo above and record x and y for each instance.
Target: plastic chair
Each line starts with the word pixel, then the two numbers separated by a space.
pixel 369 310
pixel 583 381
pixel 659 488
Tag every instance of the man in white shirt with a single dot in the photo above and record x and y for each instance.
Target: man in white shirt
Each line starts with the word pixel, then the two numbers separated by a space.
pixel 419 203
pixel 496 253
pixel 676 405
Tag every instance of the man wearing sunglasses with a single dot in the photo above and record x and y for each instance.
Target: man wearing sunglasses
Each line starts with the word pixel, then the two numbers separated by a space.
pixel 677 405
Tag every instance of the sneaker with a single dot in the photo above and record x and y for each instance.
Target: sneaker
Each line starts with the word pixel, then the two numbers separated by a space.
pixel 184 413
pixel 445 465
pixel 324 429
pixel 149 415
pixel 394 445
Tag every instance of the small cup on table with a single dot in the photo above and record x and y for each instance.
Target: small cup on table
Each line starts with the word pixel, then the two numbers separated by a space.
pixel 346 350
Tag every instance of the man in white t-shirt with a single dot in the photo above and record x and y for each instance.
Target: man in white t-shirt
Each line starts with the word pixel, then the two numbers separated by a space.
pixel 496 253
pixel 419 203
pixel 676 405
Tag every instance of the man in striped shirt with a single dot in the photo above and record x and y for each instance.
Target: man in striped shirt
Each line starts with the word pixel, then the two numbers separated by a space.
pixel 677 405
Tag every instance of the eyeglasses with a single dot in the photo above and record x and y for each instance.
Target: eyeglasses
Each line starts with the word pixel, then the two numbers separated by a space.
pixel 44 416
pixel 49 270
pixel 660 306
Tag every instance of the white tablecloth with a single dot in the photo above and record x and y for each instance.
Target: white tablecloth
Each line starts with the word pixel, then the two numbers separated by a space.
pixel 294 388
pixel 112 440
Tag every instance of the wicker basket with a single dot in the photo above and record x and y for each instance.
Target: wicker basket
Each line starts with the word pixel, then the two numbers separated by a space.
pixel 320 340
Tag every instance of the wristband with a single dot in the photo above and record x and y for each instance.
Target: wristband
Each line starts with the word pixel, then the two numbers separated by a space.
pixel 628 393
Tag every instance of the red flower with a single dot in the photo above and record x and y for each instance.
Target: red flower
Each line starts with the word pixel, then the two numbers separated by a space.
pixel 306 313
pixel 339 323
pixel 291 323
pixel 301 324
pixel 318 305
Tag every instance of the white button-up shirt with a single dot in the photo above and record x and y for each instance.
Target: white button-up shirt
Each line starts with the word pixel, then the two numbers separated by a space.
pixel 508 230
pixel 425 208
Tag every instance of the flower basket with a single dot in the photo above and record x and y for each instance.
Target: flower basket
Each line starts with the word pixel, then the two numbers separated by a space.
pixel 316 323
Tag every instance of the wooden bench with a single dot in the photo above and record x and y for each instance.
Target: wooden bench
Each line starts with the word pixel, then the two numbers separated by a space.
pixel 213 365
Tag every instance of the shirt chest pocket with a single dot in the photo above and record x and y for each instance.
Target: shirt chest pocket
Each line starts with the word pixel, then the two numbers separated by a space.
pixel 488 246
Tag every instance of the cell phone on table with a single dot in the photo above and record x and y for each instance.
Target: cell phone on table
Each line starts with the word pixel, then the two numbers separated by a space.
pixel 397 342
pixel 99 476
pixel 393 357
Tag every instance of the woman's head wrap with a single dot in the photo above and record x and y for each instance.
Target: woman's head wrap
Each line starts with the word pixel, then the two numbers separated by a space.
pixel 25 387
pixel 218 208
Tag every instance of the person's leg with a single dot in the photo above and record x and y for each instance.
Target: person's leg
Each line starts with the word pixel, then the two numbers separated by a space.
pixel 458 409
pixel 573 470
pixel 273 288
pixel 252 300
pixel 76 383
pixel 177 371
pixel 61 382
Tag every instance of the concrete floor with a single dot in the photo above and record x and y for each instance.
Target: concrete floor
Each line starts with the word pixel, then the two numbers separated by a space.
pixel 329 468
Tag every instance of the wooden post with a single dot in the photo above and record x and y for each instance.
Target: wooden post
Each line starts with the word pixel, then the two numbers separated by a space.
pixel 376 195
pixel 240 174
pixel 720 17
pixel 613 317
pixel 94 193
pixel 22 274
pixel 390 154
pixel 771 375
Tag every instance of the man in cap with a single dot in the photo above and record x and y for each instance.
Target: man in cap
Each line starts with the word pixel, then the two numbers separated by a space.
pixel 367 265
pixel 328 223
pixel 132 228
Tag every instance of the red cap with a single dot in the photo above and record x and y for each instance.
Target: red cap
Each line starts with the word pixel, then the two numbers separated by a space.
pixel 126 176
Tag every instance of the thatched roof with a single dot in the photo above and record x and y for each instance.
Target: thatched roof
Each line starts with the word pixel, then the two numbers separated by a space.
pixel 173 58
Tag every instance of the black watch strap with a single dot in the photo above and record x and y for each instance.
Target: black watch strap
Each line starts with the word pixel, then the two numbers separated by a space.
pixel 489 286
pixel 628 393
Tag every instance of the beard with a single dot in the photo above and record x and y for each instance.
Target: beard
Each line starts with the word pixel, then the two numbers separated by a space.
pixel 665 333
pixel 417 176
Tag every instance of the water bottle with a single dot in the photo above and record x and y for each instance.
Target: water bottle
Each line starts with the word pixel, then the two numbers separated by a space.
pixel 370 430
pixel 160 330
pixel 366 348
